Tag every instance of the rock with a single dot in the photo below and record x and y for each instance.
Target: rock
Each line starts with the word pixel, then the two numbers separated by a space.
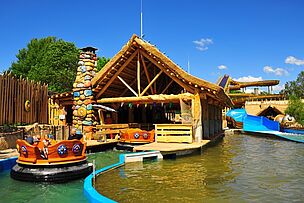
pixel 77 107
pixel 87 56
pixel 76 94
pixel 88 128
pixel 87 122
pixel 80 85
pixel 89 107
pixel 80 63
pixel 82 97
pixel 83 69
pixel 75 113
pixel 87 101
pixel 87 77
pixel 88 92
pixel 89 68
pixel 79 102
pixel 89 64
pixel 87 84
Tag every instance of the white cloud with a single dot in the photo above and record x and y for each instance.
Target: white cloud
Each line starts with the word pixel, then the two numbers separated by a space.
pixel 202 44
pixel 248 79
pixel 222 67
pixel 293 60
pixel 278 88
pixel 276 71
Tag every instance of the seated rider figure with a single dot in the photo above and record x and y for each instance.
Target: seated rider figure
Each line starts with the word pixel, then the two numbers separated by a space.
pixel 74 136
pixel 46 143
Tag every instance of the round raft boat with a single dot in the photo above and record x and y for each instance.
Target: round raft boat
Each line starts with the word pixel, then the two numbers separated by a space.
pixel 65 161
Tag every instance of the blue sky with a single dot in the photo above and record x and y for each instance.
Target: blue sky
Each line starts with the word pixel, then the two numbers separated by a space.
pixel 247 39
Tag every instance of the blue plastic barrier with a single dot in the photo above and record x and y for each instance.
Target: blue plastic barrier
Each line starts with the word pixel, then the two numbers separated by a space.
pixel 7 164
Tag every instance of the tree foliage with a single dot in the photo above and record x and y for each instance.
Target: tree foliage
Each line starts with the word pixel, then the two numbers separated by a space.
pixel 48 60
pixel 101 62
pixel 296 87
pixel 296 109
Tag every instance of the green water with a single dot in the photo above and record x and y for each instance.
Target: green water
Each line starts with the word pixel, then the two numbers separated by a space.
pixel 71 192
pixel 240 168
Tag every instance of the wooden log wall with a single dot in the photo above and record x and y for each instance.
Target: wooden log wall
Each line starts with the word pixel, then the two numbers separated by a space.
pixel 14 92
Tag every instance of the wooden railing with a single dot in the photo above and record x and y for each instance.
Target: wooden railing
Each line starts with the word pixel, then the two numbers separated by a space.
pixel 173 133
pixel 109 129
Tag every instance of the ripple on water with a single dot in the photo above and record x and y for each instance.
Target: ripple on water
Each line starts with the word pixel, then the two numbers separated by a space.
pixel 241 168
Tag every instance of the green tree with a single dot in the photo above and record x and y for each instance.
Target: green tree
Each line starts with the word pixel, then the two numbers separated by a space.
pixel 101 62
pixel 296 109
pixel 296 87
pixel 48 60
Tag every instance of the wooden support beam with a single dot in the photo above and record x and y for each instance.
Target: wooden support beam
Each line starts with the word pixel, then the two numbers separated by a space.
pixel 185 86
pixel 132 83
pixel 168 85
pixel 146 71
pixel 117 73
pixel 126 84
pixel 149 85
pixel 148 99
pixel 138 74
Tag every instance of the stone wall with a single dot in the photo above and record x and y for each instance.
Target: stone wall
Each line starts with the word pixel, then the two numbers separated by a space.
pixel 83 118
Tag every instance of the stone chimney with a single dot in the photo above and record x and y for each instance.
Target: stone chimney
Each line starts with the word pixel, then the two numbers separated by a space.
pixel 83 119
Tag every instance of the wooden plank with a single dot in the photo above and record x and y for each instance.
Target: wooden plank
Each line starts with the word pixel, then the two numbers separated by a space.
pixel 138 74
pixel 105 132
pixel 172 139
pixel 164 132
pixel 5 99
pixel 112 126
pixel 146 72
pixel 126 84
pixel 173 125
pixel 148 99
pixel 168 85
pixel 150 84
pixel 116 74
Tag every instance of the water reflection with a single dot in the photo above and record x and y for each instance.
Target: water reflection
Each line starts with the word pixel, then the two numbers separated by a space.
pixel 239 169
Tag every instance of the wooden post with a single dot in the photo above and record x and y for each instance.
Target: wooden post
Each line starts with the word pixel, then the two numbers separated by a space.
pixel 128 86
pixel 205 118
pixel 150 84
pixel 146 71
pixel 196 121
pixel 138 74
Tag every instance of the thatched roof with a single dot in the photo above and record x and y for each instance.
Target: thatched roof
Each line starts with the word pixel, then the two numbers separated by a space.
pixel 124 64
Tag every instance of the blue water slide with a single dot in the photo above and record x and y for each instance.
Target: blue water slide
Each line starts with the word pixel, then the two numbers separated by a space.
pixel 237 114
pixel 259 123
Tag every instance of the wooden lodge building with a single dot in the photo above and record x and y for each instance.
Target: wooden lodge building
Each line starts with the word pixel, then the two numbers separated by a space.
pixel 148 91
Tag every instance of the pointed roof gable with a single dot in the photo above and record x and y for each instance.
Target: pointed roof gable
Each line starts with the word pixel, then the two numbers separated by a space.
pixel 127 55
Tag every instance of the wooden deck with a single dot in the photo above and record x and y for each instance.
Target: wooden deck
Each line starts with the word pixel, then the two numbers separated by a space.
pixel 172 148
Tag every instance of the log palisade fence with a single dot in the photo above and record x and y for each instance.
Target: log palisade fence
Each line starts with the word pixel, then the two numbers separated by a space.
pixel 14 92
